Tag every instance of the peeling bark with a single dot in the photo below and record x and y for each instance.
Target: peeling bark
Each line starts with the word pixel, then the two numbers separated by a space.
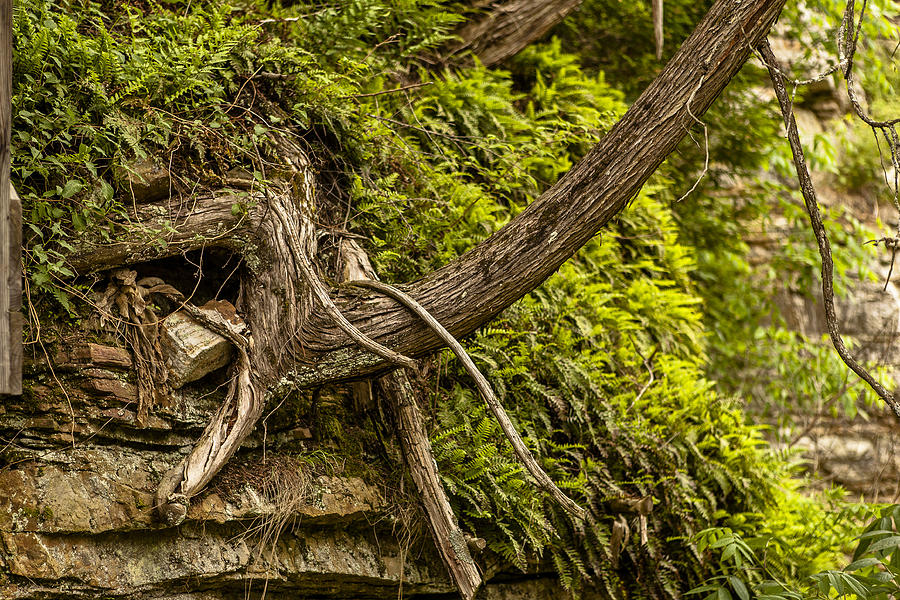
pixel 275 303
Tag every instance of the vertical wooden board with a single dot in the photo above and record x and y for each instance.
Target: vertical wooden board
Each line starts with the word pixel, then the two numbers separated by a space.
pixel 15 293
pixel 10 227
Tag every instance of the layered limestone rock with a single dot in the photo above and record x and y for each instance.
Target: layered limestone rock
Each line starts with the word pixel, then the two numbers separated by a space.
pixel 77 482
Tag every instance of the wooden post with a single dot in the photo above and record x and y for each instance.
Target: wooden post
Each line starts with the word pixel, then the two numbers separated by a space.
pixel 10 227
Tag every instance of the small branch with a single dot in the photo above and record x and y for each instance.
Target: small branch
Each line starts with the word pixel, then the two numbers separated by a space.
pixel 391 91
pixel 658 27
pixel 648 364
pixel 272 76
pixel 815 218
pixel 401 398
pixel 846 51
pixel 521 450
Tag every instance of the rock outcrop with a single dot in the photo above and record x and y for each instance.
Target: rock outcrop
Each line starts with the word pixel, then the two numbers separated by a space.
pixel 77 482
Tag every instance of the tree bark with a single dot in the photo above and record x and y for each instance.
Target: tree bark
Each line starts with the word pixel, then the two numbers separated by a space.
pixel 170 228
pixel 303 337
pixel 507 27
pixel 474 288
pixel 448 537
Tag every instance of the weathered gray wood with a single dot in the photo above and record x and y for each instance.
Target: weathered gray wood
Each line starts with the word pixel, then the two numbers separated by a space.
pixel 658 27
pixel 448 537
pixel 10 227
pixel 191 350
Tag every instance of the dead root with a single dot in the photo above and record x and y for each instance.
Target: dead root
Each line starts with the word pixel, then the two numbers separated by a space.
pixel 229 427
pixel 127 302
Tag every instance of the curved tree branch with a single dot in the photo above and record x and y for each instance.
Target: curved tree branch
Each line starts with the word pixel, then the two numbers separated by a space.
pixel 471 290
pixel 166 229
pixel 295 340
pixel 818 227
pixel 474 288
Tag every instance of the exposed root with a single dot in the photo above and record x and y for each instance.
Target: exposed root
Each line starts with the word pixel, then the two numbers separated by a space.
pixel 401 397
pixel 223 436
pixel 449 539
pixel 287 487
pixel 521 450
pixel 130 299
pixel 321 293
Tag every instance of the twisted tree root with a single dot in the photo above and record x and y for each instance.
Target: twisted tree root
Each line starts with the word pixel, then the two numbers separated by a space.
pixel 521 450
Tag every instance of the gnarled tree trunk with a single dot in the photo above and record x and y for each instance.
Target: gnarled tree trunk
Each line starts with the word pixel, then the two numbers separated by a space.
pixel 297 339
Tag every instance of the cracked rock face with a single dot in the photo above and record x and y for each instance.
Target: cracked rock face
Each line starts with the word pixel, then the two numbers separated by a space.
pixel 77 521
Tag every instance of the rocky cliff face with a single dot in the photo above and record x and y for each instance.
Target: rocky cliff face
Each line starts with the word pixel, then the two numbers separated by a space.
pixel 860 454
pixel 76 518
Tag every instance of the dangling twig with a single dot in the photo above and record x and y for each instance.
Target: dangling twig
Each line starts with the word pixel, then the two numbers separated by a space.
pixel 521 450
pixel 658 27
pixel 815 218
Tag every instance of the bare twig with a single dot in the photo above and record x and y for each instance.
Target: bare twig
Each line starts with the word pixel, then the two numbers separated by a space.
pixel 648 364
pixel 815 218
pixel 521 450
pixel 390 91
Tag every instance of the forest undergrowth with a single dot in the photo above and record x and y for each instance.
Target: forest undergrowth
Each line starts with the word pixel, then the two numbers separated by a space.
pixel 642 369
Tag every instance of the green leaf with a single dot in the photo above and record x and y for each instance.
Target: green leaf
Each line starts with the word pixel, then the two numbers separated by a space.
pixel 71 188
pixel 739 588
pixel 891 542
pixel 862 564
